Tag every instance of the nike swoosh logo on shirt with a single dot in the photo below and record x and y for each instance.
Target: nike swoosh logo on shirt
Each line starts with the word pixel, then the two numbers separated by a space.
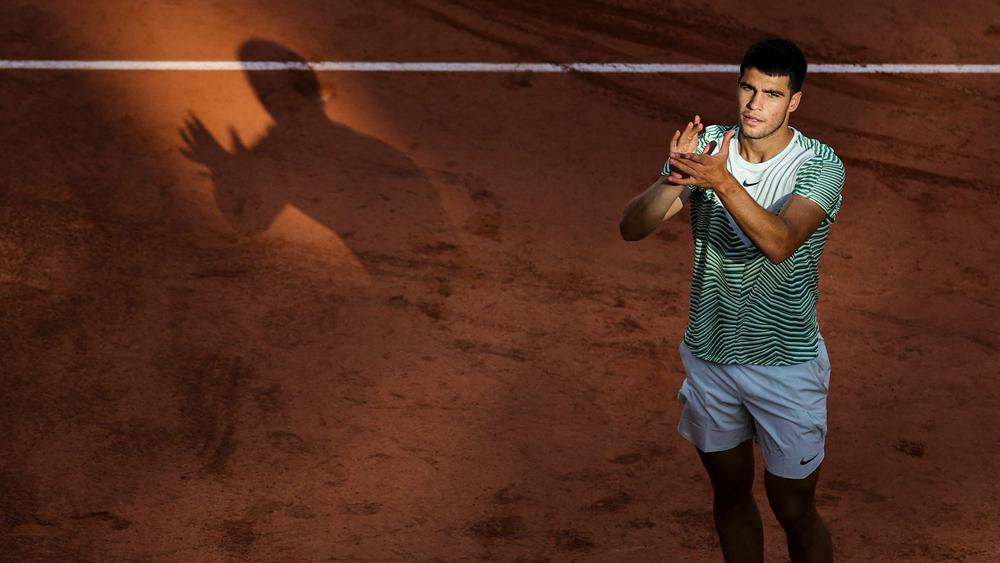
pixel 746 185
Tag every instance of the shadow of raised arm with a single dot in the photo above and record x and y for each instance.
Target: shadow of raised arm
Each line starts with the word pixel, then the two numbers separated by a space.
pixel 248 204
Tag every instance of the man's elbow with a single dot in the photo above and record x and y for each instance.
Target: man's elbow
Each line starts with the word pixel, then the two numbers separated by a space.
pixel 781 248
pixel 777 258
pixel 778 255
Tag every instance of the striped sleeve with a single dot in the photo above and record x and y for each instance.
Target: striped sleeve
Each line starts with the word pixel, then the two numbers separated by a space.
pixel 821 181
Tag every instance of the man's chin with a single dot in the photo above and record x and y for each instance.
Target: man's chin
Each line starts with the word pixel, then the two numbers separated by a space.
pixel 756 132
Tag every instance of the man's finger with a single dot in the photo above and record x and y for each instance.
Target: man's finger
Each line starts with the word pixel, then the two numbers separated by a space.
pixel 679 181
pixel 711 147
pixel 683 165
pixel 691 158
pixel 725 142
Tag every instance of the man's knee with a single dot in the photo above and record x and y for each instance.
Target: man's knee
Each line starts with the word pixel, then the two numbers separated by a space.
pixel 734 490
pixel 793 501
pixel 795 516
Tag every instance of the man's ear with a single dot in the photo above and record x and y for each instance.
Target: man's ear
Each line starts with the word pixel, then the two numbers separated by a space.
pixel 794 104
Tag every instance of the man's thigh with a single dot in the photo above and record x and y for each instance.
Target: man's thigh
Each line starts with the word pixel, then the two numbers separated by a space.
pixel 713 417
pixel 731 471
pixel 788 405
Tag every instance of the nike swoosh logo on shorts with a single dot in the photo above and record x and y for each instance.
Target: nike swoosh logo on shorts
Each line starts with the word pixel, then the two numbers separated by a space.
pixel 805 461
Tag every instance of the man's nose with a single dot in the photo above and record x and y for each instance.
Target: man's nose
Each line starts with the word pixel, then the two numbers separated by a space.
pixel 754 101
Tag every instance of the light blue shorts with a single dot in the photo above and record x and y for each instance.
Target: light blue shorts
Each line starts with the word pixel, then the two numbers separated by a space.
pixel 783 407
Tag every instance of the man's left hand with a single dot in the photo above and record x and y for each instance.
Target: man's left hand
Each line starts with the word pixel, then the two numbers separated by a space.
pixel 702 170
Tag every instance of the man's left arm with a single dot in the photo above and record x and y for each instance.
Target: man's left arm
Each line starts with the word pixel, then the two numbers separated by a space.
pixel 777 236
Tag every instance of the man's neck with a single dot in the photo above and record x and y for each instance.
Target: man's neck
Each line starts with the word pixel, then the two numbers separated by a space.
pixel 760 150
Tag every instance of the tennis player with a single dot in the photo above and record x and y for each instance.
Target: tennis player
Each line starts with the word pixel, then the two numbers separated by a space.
pixel 763 197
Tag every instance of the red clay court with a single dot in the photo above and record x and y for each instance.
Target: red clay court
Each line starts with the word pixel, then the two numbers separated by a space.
pixel 400 324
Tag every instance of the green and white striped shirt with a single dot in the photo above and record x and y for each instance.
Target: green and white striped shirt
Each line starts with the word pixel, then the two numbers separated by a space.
pixel 744 309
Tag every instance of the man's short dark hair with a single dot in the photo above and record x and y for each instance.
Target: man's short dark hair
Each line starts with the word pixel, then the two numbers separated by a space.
pixel 777 57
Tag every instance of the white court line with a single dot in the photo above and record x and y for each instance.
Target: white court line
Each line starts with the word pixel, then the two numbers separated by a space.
pixel 607 68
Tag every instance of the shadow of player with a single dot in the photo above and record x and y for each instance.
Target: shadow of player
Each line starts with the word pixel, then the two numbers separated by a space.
pixel 367 192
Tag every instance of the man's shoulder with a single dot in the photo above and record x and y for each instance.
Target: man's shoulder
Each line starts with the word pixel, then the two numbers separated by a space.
pixel 820 154
pixel 820 177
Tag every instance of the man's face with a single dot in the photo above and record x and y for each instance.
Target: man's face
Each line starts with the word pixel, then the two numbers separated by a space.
pixel 765 103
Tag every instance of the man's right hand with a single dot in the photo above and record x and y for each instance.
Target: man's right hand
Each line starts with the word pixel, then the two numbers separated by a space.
pixel 687 141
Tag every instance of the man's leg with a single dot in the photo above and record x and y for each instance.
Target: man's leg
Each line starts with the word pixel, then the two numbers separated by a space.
pixel 794 505
pixel 737 519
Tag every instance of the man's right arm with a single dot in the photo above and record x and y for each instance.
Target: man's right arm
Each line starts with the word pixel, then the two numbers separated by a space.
pixel 650 209
pixel 662 200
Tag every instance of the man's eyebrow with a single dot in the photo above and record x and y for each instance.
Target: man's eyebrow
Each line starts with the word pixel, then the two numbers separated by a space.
pixel 746 84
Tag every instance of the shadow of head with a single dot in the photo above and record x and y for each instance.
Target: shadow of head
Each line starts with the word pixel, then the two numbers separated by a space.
pixel 283 92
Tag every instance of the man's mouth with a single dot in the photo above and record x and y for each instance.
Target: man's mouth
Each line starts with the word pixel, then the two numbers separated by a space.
pixel 752 120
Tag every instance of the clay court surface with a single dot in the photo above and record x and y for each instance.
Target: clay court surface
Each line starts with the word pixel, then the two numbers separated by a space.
pixel 403 326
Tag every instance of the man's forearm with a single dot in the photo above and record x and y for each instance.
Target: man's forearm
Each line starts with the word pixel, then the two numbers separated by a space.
pixel 767 231
pixel 647 210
